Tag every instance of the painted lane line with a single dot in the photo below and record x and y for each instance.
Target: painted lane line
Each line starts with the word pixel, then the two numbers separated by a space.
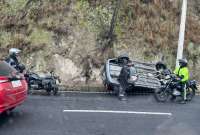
pixel 118 112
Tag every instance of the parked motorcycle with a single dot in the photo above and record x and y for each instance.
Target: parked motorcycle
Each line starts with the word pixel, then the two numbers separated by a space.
pixel 48 82
pixel 171 87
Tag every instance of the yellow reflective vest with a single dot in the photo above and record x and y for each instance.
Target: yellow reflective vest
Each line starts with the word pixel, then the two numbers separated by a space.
pixel 183 73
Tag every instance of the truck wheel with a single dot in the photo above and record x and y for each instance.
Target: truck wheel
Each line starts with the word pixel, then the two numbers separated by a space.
pixel 55 91
pixel 116 90
pixel 108 87
pixel 48 92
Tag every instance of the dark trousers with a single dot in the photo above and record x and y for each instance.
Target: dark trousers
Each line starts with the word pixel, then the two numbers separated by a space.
pixel 122 87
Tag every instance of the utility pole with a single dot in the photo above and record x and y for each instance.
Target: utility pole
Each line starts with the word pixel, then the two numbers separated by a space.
pixel 114 18
pixel 111 35
pixel 182 32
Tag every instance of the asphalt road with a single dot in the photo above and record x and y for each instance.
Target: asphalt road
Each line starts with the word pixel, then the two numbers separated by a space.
pixel 49 115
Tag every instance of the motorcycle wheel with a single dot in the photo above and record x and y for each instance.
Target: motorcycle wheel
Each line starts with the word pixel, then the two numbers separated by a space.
pixel 115 90
pixel 190 93
pixel 161 95
pixel 108 87
pixel 29 89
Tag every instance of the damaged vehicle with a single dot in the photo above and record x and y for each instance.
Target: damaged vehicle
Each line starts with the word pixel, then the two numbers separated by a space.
pixel 142 75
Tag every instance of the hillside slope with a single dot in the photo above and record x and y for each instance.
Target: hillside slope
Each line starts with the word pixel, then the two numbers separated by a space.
pixel 68 36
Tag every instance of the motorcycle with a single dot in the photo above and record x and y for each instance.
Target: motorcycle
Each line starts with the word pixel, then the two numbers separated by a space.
pixel 171 87
pixel 48 82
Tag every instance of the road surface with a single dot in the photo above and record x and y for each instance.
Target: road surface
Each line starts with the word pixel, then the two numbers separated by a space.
pixel 101 114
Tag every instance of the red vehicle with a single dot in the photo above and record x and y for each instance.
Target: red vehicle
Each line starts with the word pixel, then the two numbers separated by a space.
pixel 13 88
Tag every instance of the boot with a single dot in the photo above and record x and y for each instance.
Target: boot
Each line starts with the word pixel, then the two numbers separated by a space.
pixel 121 94
pixel 184 99
pixel 122 97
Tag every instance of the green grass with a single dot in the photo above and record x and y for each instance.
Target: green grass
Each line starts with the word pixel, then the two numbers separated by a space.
pixel 5 38
pixel 40 36
pixel 12 6
pixel 93 18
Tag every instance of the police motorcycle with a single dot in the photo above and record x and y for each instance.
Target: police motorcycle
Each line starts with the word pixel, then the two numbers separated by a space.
pixel 35 81
pixel 46 82
pixel 170 87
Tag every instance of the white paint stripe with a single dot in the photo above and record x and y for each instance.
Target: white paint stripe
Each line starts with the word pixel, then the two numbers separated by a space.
pixel 118 112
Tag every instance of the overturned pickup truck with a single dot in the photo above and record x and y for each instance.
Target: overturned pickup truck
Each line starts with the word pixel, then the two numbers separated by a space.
pixel 143 75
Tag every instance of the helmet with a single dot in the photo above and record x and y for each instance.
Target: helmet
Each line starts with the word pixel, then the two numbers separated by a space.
pixel 183 62
pixel 160 66
pixel 123 59
pixel 124 56
pixel 14 51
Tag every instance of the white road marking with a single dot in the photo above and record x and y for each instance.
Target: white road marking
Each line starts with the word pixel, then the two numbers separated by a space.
pixel 118 112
